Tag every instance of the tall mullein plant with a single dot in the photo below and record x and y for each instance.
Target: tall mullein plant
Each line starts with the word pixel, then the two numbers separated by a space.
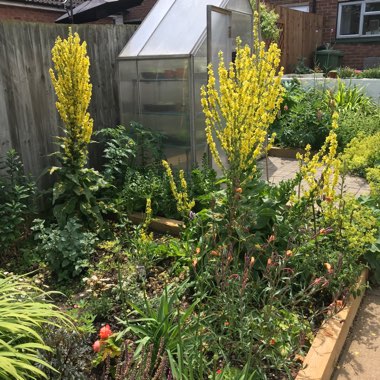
pixel 74 191
pixel 240 108
pixel 71 81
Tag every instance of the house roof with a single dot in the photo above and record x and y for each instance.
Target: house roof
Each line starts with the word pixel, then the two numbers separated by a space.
pixel 52 3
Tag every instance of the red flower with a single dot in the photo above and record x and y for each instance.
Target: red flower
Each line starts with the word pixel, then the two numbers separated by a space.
pixel 272 342
pixel 218 371
pixel 96 346
pixel 105 332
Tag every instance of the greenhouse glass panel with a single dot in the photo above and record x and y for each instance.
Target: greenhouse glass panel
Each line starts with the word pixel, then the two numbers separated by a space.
pixel 164 65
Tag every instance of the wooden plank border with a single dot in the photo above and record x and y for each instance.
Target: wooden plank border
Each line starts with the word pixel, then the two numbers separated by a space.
pixel 159 224
pixel 321 359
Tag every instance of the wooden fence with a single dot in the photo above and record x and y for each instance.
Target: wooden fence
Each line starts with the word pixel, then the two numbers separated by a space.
pixel 301 34
pixel 29 121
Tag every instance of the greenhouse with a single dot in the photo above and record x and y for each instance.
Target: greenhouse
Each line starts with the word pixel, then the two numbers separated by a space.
pixel 164 65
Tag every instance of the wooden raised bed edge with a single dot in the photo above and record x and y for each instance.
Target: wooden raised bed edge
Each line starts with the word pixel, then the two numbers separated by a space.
pixel 159 224
pixel 324 352
pixel 285 152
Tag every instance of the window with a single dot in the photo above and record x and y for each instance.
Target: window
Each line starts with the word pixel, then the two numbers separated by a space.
pixel 359 19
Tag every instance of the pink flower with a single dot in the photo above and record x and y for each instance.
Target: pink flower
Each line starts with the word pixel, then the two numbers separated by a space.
pixel 286 108
pixel 105 332
pixel 96 346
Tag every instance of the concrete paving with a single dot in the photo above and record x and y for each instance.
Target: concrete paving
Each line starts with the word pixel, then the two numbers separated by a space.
pixel 360 358
pixel 280 169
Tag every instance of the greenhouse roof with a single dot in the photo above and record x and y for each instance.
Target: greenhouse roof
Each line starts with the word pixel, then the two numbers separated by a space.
pixel 176 27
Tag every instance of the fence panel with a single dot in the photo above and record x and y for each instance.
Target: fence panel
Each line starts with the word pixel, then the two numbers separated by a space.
pixel 301 34
pixel 29 121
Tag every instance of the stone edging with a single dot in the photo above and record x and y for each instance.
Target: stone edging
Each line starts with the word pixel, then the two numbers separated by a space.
pixel 320 361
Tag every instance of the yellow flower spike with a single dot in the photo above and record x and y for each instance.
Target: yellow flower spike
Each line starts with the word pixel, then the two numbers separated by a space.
pixel 184 204
pixel 239 113
pixel 71 81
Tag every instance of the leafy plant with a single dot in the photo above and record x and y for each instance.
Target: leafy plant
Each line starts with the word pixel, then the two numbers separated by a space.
pixel 268 22
pixel 74 193
pixel 72 355
pixel 167 326
pixel 301 67
pixel 371 73
pixel 347 72
pixel 305 121
pixel 119 152
pixel 24 312
pixel 351 98
pixel 362 153
pixel 66 249
pixel 16 200
pixel 355 122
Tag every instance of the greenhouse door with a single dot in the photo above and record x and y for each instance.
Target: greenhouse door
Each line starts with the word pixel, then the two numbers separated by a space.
pixel 218 35
pixel 218 39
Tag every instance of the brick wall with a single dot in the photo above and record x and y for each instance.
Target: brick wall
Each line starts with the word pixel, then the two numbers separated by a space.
pixel 354 52
pixel 139 13
pixel 8 12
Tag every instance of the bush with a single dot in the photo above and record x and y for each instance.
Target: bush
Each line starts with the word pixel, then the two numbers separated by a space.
pixel 362 153
pixel 352 123
pixel 371 73
pixel 304 121
pixel 16 201
pixel 66 249
pixel 23 315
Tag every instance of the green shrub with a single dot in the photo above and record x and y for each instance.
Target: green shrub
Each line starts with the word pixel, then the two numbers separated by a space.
pixel 24 312
pixel 362 153
pixel 352 123
pixel 66 249
pixel 304 121
pixel 352 98
pixel 371 73
pixel 16 200
pixel 347 72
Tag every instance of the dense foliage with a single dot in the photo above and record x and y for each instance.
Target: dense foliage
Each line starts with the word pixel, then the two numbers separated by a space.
pixel 255 268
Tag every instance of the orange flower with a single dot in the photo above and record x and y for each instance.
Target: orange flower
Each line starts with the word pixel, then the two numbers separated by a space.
pixel 339 304
pixel 239 190
pixel 269 262
pixel 105 332
pixel 195 262
pixel 289 253
pixel 226 323
pixel 214 253
pixel 197 251
pixel 272 342
pixel 271 238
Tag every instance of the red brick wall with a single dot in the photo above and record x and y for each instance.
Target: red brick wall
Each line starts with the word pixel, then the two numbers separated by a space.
pixel 139 13
pixel 355 53
pixel 8 12
pixel 28 14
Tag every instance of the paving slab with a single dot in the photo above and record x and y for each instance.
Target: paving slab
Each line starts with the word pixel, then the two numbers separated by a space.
pixel 360 358
pixel 280 169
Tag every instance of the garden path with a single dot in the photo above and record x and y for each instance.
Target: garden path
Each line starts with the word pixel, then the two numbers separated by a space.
pixel 280 169
pixel 360 357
